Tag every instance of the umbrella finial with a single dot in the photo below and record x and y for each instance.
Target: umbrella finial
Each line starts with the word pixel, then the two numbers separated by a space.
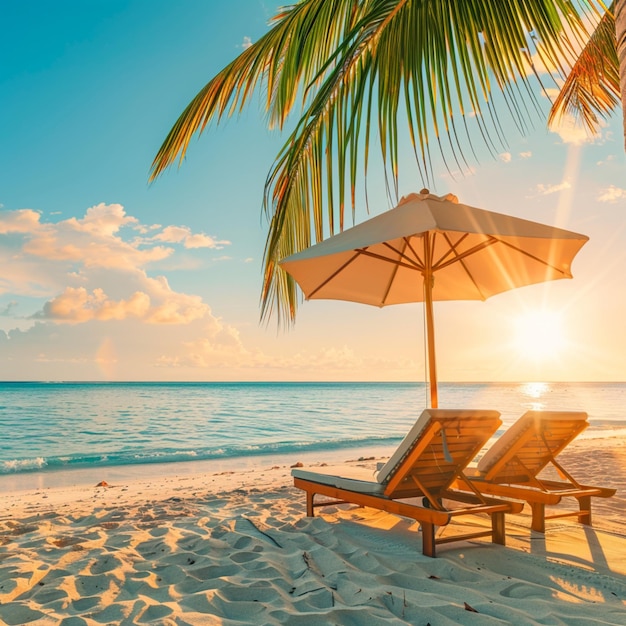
pixel 424 192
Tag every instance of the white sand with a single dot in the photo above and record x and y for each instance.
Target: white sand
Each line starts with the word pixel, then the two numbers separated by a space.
pixel 190 544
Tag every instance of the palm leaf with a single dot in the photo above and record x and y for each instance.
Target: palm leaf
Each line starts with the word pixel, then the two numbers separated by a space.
pixel 290 54
pixel 592 89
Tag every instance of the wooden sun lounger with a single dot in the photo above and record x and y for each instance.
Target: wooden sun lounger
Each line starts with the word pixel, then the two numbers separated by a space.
pixel 430 458
pixel 510 468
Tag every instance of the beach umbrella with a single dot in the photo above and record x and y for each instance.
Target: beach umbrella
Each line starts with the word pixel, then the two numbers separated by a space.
pixel 433 248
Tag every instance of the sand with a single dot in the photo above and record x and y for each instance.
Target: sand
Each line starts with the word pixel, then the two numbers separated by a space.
pixel 232 546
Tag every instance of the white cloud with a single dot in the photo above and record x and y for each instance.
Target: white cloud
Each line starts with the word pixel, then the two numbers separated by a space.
pixel 609 159
pixel 76 305
pixel 92 241
pixel 572 132
pixel 137 296
pixel 42 258
pixel 612 194
pixel 182 234
pixel 21 221
pixel 526 155
pixel 505 157
pixel 102 220
pixel 544 190
pixel 247 42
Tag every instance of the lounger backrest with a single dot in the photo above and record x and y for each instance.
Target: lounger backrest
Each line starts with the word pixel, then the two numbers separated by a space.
pixel 441 443
pixel 530 444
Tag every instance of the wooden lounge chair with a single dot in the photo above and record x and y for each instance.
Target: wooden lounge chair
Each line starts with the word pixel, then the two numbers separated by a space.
pixel 430 458
pixel 510 468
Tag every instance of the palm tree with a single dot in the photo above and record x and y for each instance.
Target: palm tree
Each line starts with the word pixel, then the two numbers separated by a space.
pixel 356 68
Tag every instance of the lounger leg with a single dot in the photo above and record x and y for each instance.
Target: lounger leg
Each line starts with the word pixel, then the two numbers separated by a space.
pixel 309 504
pixel 428 539
pixel 498 533
pixel 584 502
pixel 539 517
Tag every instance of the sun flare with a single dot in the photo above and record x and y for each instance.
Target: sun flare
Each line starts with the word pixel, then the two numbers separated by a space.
pixel 540 335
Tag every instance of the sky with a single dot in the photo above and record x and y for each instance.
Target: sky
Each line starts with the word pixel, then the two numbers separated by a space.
pixel 106 276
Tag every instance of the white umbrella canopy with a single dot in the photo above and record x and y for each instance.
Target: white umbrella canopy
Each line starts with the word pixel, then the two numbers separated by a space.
pixel 433 248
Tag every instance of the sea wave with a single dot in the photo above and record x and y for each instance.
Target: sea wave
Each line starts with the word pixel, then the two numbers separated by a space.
pixel 141 457
pixel 22 465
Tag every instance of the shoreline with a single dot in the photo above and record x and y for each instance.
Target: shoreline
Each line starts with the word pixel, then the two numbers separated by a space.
pixel 75 476
pixel 84 476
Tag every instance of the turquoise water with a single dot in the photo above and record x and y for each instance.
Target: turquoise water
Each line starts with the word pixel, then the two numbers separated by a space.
pixel 49 426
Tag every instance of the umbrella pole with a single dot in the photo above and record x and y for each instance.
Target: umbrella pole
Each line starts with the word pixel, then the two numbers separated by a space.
pixel 430 332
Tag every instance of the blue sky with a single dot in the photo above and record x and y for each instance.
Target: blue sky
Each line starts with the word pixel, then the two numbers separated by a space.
pixel 108 277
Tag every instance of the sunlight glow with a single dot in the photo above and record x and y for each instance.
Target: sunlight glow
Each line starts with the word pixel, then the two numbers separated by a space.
pixel 540 335
pixel 534 390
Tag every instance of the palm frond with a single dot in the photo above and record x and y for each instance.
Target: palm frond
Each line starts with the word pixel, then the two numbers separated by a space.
pixel 395 57
pixel 592 89
pixel 291 54
pixel 359 69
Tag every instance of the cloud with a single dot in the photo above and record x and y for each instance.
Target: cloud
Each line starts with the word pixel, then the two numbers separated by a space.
pixel 91 307
pixel 219 346
pixel 132 350
pixel 609 159
pixel 92 241
pixel 102 220
pixel 21 221
pixel 544 190
pixel 505 157
pixel 76 305
pixel 182 234
pixel 9 308
pixel 612 194
pixel 154 303
pixel 526 155
pixel 247 42
pixel 42 258
pixel 572 132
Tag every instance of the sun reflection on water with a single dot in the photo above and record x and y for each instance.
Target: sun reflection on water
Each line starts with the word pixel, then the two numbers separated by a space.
pixel 535 391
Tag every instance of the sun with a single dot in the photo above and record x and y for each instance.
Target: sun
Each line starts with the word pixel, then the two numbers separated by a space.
pixel 540 335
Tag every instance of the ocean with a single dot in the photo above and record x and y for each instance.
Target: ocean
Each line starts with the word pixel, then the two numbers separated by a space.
pixel 56 426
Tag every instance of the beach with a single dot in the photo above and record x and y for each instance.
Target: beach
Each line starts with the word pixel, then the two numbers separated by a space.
pixel 208 545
